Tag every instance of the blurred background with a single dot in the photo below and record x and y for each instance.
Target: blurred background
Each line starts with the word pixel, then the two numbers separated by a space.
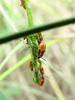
pixel 16 78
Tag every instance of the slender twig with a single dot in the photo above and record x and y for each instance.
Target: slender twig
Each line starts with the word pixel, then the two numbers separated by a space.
pixel 50 26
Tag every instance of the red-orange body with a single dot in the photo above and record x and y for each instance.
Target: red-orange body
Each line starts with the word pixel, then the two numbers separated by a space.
pixel 31 66
pixel 41 80
pixel 41 49
pixel 23 4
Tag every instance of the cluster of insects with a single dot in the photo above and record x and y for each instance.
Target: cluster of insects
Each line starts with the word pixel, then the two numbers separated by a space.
pixel 41 51
pixel 38 50
pixel 23 4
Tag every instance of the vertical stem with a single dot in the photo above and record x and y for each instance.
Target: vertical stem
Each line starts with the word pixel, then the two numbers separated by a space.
pixel 33 43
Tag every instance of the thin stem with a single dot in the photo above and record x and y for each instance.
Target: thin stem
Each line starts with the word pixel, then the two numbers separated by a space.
pixel 33 43
pixel 38 29
pixel 15 67
pixel 54 84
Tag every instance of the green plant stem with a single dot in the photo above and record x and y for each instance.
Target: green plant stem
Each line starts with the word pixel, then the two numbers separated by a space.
pixel 33 43
pixel 16 66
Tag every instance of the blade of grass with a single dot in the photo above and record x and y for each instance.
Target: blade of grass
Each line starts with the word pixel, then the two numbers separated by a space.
pixel 10 54
pixel 54 84
pixel 3 11
pixel 62 75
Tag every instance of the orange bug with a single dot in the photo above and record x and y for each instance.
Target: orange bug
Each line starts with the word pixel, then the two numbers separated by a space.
pixel 23 4
pixel 41 82
pixel 41 49
pixel 39 37
pixel 30 65
pixel 42 70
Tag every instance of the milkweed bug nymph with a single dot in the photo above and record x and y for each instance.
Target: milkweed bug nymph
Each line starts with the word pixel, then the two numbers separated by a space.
pixel 41 49
pixel 39 37
pixel 41 81
pixel 30 65
pixel 23 3
pixel 42 70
